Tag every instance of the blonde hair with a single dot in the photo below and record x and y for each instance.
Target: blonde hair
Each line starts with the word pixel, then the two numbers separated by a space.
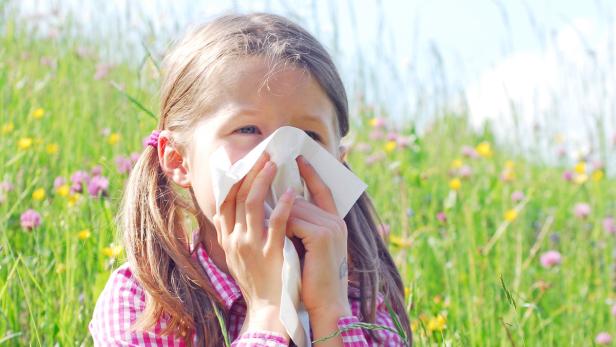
pixel 153 213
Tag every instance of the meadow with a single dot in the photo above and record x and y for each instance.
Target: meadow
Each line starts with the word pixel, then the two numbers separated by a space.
pixel 494 250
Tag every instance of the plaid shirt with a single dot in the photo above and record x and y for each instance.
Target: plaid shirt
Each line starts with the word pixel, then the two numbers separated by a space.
pixel 123 299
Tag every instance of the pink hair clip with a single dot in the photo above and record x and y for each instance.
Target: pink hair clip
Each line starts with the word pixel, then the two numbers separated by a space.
pixel 153 139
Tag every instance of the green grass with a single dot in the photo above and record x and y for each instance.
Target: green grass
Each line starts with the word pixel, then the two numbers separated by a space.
pixel 50 278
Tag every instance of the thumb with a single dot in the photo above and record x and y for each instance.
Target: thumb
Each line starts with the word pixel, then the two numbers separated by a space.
pixel 278 221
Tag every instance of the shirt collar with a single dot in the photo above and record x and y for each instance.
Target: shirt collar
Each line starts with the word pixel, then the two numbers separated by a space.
pixel 223 284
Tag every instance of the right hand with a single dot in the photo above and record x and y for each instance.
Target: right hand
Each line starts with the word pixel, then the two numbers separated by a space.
pixel 253 254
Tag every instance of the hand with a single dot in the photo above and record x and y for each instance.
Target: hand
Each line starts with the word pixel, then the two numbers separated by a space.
pixel 324 236
pixel 254 254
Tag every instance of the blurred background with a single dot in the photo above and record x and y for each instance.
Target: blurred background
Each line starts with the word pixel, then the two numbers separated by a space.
pixel 485 130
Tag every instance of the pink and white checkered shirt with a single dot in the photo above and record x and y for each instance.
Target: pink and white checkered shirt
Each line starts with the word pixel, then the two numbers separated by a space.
pixel 123 299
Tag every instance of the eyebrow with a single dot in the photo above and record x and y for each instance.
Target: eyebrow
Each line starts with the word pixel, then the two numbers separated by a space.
pixel 253 112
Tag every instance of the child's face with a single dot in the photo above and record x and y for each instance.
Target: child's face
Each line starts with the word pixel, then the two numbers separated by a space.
pixel 245 112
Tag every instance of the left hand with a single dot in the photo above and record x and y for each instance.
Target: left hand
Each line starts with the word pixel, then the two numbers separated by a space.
pixel 324 237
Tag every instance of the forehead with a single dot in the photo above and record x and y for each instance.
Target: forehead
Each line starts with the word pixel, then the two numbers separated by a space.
pixel 250 82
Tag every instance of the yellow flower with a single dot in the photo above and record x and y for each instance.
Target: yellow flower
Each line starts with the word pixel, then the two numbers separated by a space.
pixel 390 146
pixel 73 199
pixel 38 113
pixel 84 234
pixel 508 175
pixel 399 241
pixel 455 184
pixel 511 215
pixel 580 178
pixel 407 292
pixel 456 163
pixel 60 268
pixel 39 194
pixel 8 127
pixel 414 325
pixel 597 175
pixel 112 251
pixel 24 143
pixel 113 138
pixel 52 148
pixel 484 149
pixel 63 190
pixel 437 323
pixel 509 164
pixel 580 167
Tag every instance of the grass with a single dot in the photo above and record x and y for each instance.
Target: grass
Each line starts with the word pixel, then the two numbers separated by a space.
pixel 474 279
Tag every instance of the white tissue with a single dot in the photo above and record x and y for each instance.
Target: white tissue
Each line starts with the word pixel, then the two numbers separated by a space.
pixel 283 146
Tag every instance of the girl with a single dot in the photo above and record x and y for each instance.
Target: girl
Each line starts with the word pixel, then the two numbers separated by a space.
pixel 232 83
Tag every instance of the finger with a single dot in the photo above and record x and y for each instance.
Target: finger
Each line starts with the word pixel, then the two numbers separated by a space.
pixel 320 192
pixel 242 194
pixel 309 212
pixel 278 221
pixel 255 209
pixel 227 211
pixel 303 230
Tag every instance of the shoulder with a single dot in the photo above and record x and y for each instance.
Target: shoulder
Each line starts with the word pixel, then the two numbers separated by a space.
pixel 117 308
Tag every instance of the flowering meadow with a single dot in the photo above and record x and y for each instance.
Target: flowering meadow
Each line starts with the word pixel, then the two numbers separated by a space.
pixel 493 249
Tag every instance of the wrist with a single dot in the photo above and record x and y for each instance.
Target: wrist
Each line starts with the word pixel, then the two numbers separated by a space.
pixel 331 312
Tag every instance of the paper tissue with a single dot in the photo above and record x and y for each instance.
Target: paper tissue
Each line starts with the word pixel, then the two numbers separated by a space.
pixel 283 146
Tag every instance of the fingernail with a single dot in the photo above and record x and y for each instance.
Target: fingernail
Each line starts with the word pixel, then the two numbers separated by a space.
pixel 290 193
pixel 269 165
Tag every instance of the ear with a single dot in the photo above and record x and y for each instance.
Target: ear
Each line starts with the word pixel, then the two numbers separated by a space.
pixel 344 151
pixel 171 160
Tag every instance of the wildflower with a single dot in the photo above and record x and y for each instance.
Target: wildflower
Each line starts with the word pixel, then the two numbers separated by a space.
pixel 614 310
pixel 568 176
pixel 581 210
pixel 30 219
pixel 609 225
pixel 112 251
pixel 102 70
pixel 377 122
pixel 98 185
pixel 550 259
pixel 38 194
pixel 371 159
pixel 597 175
pixel 113 138
pixel 437 323
pixel 437 299
pixel 63 190
pixel 376 134
pixel 580 178
pixel 84 234
pixel 78 179
pixel 383 230
pixel 469 152
pixel 456 164
pixel 509 165
pixel 407 292
pixel 507 175
pixel 134 157
pixel 580 167
pixel 6 186
pixel 52 148
pixel 399 241
pixel 517 196
pixel 441 217
pixel 455 184
pixel 24 143
pixel 96 171
pixel 60 268
pixel 123 164
pixel 465 171
pixel 38 113
pixel 603 338
pixel 484 149
pixel 58 182
pixel 106 132
pixel 390 146
pixel 7 128
pixel 562 152
pixel 73 199
pixel 511 215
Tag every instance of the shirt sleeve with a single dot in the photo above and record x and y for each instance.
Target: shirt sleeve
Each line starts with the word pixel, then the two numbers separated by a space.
pixel 260 338
pixel 116 310
pixel 358 337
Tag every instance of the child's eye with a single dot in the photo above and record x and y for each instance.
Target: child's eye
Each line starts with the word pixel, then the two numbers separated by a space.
pixel 250 129
pixel 314 135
